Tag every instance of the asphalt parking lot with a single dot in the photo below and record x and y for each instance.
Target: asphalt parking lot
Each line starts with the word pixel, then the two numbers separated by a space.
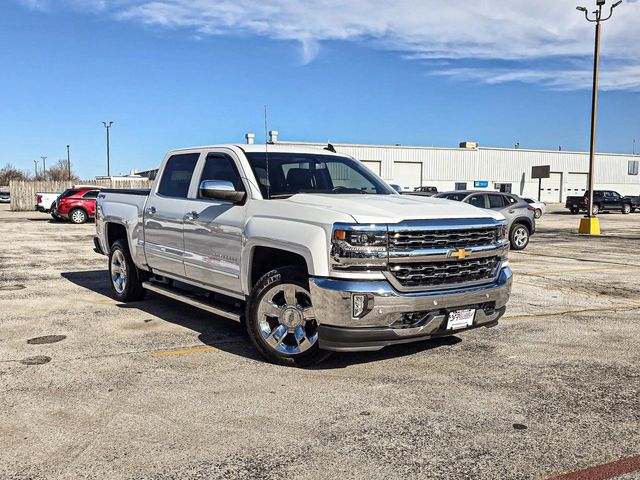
pixel 160 390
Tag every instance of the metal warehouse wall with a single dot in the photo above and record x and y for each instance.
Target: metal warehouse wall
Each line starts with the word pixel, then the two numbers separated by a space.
pixel 443 167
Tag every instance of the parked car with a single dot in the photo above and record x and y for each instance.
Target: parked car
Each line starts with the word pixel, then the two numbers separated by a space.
pixel 603 200
pixel 5 197
pixel 541 207
pixel 76 205
pixel 46 203
pixel 424 191
pixel 308 248
pixel 519 214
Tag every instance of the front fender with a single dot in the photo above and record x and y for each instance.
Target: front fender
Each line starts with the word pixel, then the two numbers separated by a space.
pixel 308 240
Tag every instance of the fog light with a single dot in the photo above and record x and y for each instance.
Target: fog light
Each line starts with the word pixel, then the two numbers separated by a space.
pixel 359 304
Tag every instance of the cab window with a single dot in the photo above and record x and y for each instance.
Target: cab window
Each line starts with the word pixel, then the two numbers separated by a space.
pixel 91 194
pixel 177 174
pixel 222 167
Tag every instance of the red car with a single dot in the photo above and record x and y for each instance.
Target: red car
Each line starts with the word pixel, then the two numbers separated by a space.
pixel 77 204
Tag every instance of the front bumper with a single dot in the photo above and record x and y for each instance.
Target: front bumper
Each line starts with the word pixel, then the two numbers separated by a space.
pixel 392 317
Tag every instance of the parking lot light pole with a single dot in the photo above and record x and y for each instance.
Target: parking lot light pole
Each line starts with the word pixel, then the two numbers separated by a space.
pixel 108 127
pixel 44 168
pixel 591 224
pixel 68 163
pixel 35 163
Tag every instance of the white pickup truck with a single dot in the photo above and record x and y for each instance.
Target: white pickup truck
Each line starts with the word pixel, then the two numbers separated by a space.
pixel 309 249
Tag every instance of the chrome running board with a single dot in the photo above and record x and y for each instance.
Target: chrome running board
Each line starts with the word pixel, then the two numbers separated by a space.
pixel 193 300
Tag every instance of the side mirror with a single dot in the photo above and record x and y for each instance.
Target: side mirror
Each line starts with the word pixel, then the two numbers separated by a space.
pixel 220 190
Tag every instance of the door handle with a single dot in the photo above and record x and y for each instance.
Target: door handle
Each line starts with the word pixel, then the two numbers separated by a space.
pixel 151 210
pixel 191 216
pixel 511 211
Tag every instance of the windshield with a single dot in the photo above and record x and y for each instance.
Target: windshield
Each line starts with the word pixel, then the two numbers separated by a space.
pixel 291 173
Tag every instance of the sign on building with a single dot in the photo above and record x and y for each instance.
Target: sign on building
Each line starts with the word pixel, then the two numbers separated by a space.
pixel 542 171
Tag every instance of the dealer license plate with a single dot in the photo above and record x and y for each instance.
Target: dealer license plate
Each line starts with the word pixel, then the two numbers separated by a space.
pixel 460 319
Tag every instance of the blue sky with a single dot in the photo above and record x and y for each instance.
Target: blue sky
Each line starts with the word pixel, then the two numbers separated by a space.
pixel 175 73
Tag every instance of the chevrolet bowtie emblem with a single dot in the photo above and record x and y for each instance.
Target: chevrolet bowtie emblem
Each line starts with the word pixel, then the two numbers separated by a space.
pixel 461 254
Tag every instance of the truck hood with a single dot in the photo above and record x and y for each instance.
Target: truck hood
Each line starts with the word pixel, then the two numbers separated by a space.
pixel 392 208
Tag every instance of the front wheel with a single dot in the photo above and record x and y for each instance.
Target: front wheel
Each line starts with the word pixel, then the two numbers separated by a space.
pixel 626 209
pixel 575 210
pixel 595 210
pixel 281 321
pixel 126 284
pixel 519 237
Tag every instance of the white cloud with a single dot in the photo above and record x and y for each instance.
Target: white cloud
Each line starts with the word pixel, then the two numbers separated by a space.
pixel 460 31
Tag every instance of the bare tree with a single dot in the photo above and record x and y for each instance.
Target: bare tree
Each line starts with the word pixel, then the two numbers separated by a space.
pixel 60 171
pixel 9 172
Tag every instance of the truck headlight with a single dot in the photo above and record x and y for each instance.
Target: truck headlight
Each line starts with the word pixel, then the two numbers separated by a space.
pixel 503 233
pixel 359 247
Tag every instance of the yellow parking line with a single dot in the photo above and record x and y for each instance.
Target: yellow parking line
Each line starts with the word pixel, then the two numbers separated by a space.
pixel 567 312
pixel 184 351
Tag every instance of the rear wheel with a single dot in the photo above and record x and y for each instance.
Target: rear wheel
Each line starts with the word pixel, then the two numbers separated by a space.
pixel 575 210
pixel 626 209
pixel 537 213
pixel 126 283
pixel 280 319
pixel 596 209
pixel 78 216
pixel 519 237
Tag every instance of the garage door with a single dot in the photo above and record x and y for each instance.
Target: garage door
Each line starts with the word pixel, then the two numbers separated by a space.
pixel 576 183
pixel 551 188
pixel 375 167
pixel 407 174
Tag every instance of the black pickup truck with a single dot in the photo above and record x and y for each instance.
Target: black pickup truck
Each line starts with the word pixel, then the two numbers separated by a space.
pixel 603 200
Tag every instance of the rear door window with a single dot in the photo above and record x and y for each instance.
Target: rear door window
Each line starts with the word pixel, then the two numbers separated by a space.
pixel 91 194
pixel 177 174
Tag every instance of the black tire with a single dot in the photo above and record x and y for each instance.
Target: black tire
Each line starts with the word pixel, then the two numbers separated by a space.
pixel 596 210
pixel 78 216
pixel 519 236
pixel 626 209
pixel 538 213
pixel 268 285
pixel 633 210
pixel 575 210
pixel 131 290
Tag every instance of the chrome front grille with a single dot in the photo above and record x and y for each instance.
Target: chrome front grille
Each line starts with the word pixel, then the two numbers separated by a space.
pixel 445 273
pixel 437 239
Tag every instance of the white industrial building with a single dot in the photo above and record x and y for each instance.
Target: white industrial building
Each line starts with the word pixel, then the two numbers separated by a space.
pixel 504 169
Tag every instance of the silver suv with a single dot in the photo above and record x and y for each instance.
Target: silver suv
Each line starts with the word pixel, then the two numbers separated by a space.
pixel 519 214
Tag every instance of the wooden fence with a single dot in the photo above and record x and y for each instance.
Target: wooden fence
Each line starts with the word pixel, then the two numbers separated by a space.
pixel 23 194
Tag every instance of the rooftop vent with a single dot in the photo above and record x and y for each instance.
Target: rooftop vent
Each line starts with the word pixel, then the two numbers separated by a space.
pixel 250 138
pixel 273 136
pixel 470 145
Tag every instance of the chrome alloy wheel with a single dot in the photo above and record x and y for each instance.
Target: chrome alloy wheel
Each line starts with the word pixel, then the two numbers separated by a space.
pixel 118 271
pixel 286 319
pixel 520 236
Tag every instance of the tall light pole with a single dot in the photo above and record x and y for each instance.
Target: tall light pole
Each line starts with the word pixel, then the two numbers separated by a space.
pixel 68 163
pixel 35 163
pixel 44 168
pixel 108 127
pixel 590 224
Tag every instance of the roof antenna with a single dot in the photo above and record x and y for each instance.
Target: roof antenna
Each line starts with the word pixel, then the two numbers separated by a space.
pixel 330 147
pixel 266 152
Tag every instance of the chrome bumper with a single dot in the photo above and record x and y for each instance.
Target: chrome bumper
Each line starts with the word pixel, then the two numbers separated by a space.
pixel 388 317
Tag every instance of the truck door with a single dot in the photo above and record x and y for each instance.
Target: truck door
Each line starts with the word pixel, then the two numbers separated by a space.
pixel 213 228
pixel 164 212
